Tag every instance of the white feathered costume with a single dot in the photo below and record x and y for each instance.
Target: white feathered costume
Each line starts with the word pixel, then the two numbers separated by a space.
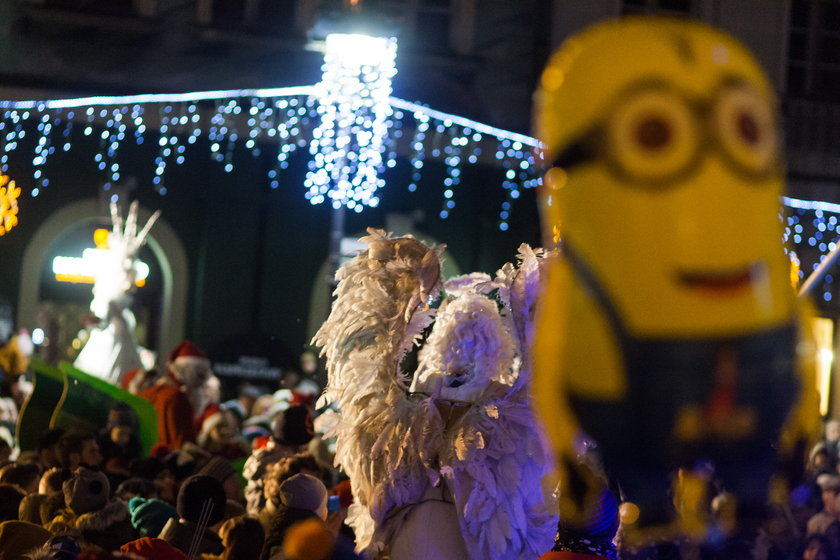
pixel 112 349
pixel 447 462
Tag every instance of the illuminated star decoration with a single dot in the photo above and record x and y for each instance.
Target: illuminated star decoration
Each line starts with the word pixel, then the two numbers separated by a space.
pixel 354 108
pixel 9 194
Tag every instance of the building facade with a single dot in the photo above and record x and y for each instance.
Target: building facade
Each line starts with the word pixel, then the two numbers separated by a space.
pixel 240 265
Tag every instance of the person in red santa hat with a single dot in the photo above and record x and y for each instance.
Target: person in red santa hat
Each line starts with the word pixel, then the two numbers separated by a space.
pixel 187 370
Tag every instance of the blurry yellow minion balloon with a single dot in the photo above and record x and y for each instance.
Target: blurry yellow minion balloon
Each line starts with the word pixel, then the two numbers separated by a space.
pixel 669 325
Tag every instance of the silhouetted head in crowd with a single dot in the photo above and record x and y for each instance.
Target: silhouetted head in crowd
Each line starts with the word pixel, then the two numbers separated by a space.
pixel 285 468
pixel 303 491
pixel 5 451
pixel 293 427
pixel 137 488
pixel 47 448
pixel 53 479
pixel 158 471
pixel 201 497
pixel 25 476
pixel 51 506
pixel 243 538
pixel 78 448
pixel 10 498
pixel 222 470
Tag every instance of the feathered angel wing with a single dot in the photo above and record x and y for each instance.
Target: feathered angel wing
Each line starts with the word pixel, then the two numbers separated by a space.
pixel 496 467
pixel 499 455
pixel 524 282
pixel 383 438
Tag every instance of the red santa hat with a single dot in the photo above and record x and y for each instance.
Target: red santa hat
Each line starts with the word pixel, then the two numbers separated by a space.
pixel 184 358
pixel 186 352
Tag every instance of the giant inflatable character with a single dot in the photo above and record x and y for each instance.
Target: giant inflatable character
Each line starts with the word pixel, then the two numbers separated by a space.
pixel 669 326
pixel 442 446
pixel 111 349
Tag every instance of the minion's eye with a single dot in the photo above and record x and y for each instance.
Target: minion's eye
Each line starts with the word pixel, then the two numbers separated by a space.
pixel 746 129
pixel 653 133
pixel 652 136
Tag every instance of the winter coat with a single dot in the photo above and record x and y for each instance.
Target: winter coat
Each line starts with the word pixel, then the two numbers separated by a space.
pixel 175 414
pixel 105 529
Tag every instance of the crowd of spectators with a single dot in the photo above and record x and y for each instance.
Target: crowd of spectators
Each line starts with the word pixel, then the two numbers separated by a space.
pixel 252 478
pixel 247 479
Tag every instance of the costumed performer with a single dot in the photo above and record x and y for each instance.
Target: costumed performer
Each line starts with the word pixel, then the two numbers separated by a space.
pixel 669 325
pixel 111 349
pixel 187 370
pixel 446 460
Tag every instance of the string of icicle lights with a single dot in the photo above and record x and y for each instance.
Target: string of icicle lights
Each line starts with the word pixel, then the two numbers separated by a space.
pixel 284 119
pixel 281 119
pixel 812 230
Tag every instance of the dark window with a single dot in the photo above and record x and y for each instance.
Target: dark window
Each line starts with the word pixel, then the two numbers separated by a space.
pixel 814 49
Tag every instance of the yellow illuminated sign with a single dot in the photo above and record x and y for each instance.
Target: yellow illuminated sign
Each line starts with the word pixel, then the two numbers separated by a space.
pixel 83 270
pixel 9 194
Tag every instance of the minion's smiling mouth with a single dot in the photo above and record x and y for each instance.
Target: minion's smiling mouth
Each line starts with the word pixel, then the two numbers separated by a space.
pixel 723 280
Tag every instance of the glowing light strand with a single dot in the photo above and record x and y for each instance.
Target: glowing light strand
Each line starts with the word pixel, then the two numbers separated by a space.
pixel 452 159
pixel 354 108
pixel 159 180
pixel 285 116
pixel 149 98
pixel 812 228
pixel 43 149
pixel 417 144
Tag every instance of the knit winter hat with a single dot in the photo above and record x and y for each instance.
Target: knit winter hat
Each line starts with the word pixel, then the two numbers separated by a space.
pixel 20 537
pixel 87 490
pixel 194 492
pixel 303 491
pixel 293 426
pixel 154 549
pixel 149 516
pixel 218 468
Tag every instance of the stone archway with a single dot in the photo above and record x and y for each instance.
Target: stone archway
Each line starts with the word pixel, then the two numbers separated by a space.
pixel 162 240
